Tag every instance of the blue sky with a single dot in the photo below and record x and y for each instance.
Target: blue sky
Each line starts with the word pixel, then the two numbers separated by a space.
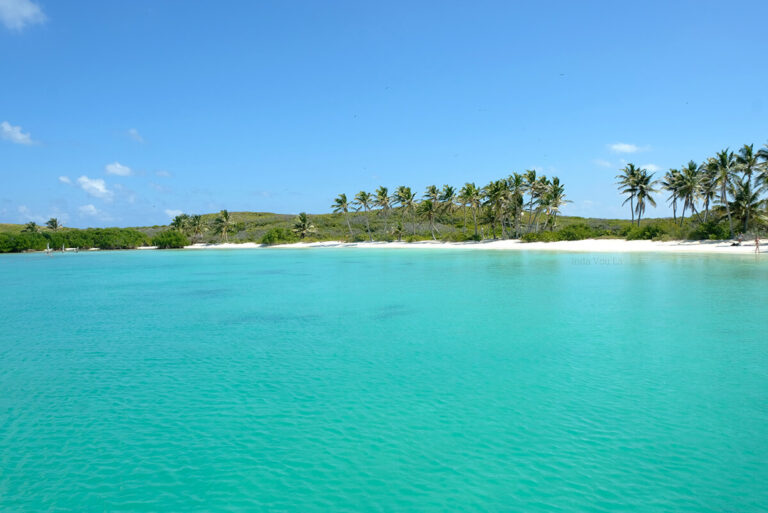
pixel 124 113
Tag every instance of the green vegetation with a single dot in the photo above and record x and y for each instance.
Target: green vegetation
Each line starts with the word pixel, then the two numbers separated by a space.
pixel 726 187
pixel 102 238
pixel 170 239
pixel 714 200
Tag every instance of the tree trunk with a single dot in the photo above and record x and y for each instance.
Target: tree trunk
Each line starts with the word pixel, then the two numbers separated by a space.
pixel 348 225
pixel 368 226
pixel 632 207
pixel 724 199
pixel 674 210
pixel 474 218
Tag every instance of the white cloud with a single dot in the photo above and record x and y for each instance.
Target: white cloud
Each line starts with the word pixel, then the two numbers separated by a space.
pixel 603 163
pixel 624 148
pixel 14 133
pixel 17 14
pixel 96 187
pixel 172 213
pixel 118 169
pixel 651 167
pixel 65 179
pixel 135 135
pixel 162 173
pixel 27 215
pixel 88 210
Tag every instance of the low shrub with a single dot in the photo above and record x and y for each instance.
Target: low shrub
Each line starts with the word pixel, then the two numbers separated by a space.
pixel 279 236
pixel 646 232
pixel 711 230
pixel 170 239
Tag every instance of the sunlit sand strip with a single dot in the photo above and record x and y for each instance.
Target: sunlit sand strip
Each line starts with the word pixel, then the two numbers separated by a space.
pixel 583 246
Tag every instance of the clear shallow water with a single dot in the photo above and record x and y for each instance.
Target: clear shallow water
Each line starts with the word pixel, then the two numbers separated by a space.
pixel 383 380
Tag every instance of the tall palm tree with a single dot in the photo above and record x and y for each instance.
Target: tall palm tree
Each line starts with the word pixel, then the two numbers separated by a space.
pixel 495 197
pixel 448 199
pixel 747 161
pixel 530 188
pixel 340 204
pixel 53 224
pixel 555 200
pixel 474 199
pixel 689 187
pixel 407 201
pixel 363 200
pixel 223 225
pixel 539 190
pixel 645 187
pixel 384 202
pixel 196 226
pixel 627 182
pixel 303 226
pixel 433 193
pixel 708 189
pixel 671 183
pixel 725 167
pixel 516 187
pixel 463 200
pixel 31 227
pixel 746 200
pixel 428 209
pixel 762 178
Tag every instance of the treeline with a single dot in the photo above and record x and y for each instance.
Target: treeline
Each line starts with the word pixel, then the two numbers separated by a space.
pixel 722 195
pixel 102 238
pixel 516 205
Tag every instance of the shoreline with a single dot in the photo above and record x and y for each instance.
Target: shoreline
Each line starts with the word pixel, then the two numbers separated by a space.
pixel 576 246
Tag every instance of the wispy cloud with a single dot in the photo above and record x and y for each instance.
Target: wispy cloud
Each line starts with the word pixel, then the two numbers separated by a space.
pixel 135 135
pixel 603 163
pixel 27 214
pixel 118 169
pixel 65 179
pixel 621 147
pixel 17 14
pixel 172 213
pixel 651 167
pixel 14 133
pixel 96 187
pixel 89 210
pixel 163 173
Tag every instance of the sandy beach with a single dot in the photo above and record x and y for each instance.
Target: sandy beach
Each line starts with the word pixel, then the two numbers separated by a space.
pixel 580 246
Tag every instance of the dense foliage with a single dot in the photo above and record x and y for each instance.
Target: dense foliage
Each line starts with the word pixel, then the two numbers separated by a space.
pixel 170 239
pixel 102 238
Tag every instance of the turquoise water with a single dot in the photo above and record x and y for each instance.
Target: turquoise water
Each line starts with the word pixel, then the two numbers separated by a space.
pixel 383 380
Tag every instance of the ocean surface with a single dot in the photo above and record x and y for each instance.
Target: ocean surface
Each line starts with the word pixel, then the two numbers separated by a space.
pixel 357 380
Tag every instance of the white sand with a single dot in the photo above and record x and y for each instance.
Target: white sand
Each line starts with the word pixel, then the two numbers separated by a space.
pixel 584 246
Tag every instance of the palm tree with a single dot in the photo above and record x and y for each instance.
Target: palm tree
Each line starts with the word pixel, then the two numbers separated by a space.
pixel 530 188
pixel 341 204
pixel 628 185
pixel 428 209
pixel 407 201
pixel 724 166
pixel 303 226
pixel 448 199
pixel 495 193
pixel 432 194
pixel 196 226
pixel 463 200
pixel 53 224
pixel 671 182
pixel 645 187
pixel 516 187
pixel 384 202
pixel 474 199
pixel 180 222
pixel 539 189
pixel 363 200
pixel 555 200
pixel 762 178
pixel 747 160
pixel 689 187
pixel 223 225
pixel 746 200
pixel 31 227
pixel 708 189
